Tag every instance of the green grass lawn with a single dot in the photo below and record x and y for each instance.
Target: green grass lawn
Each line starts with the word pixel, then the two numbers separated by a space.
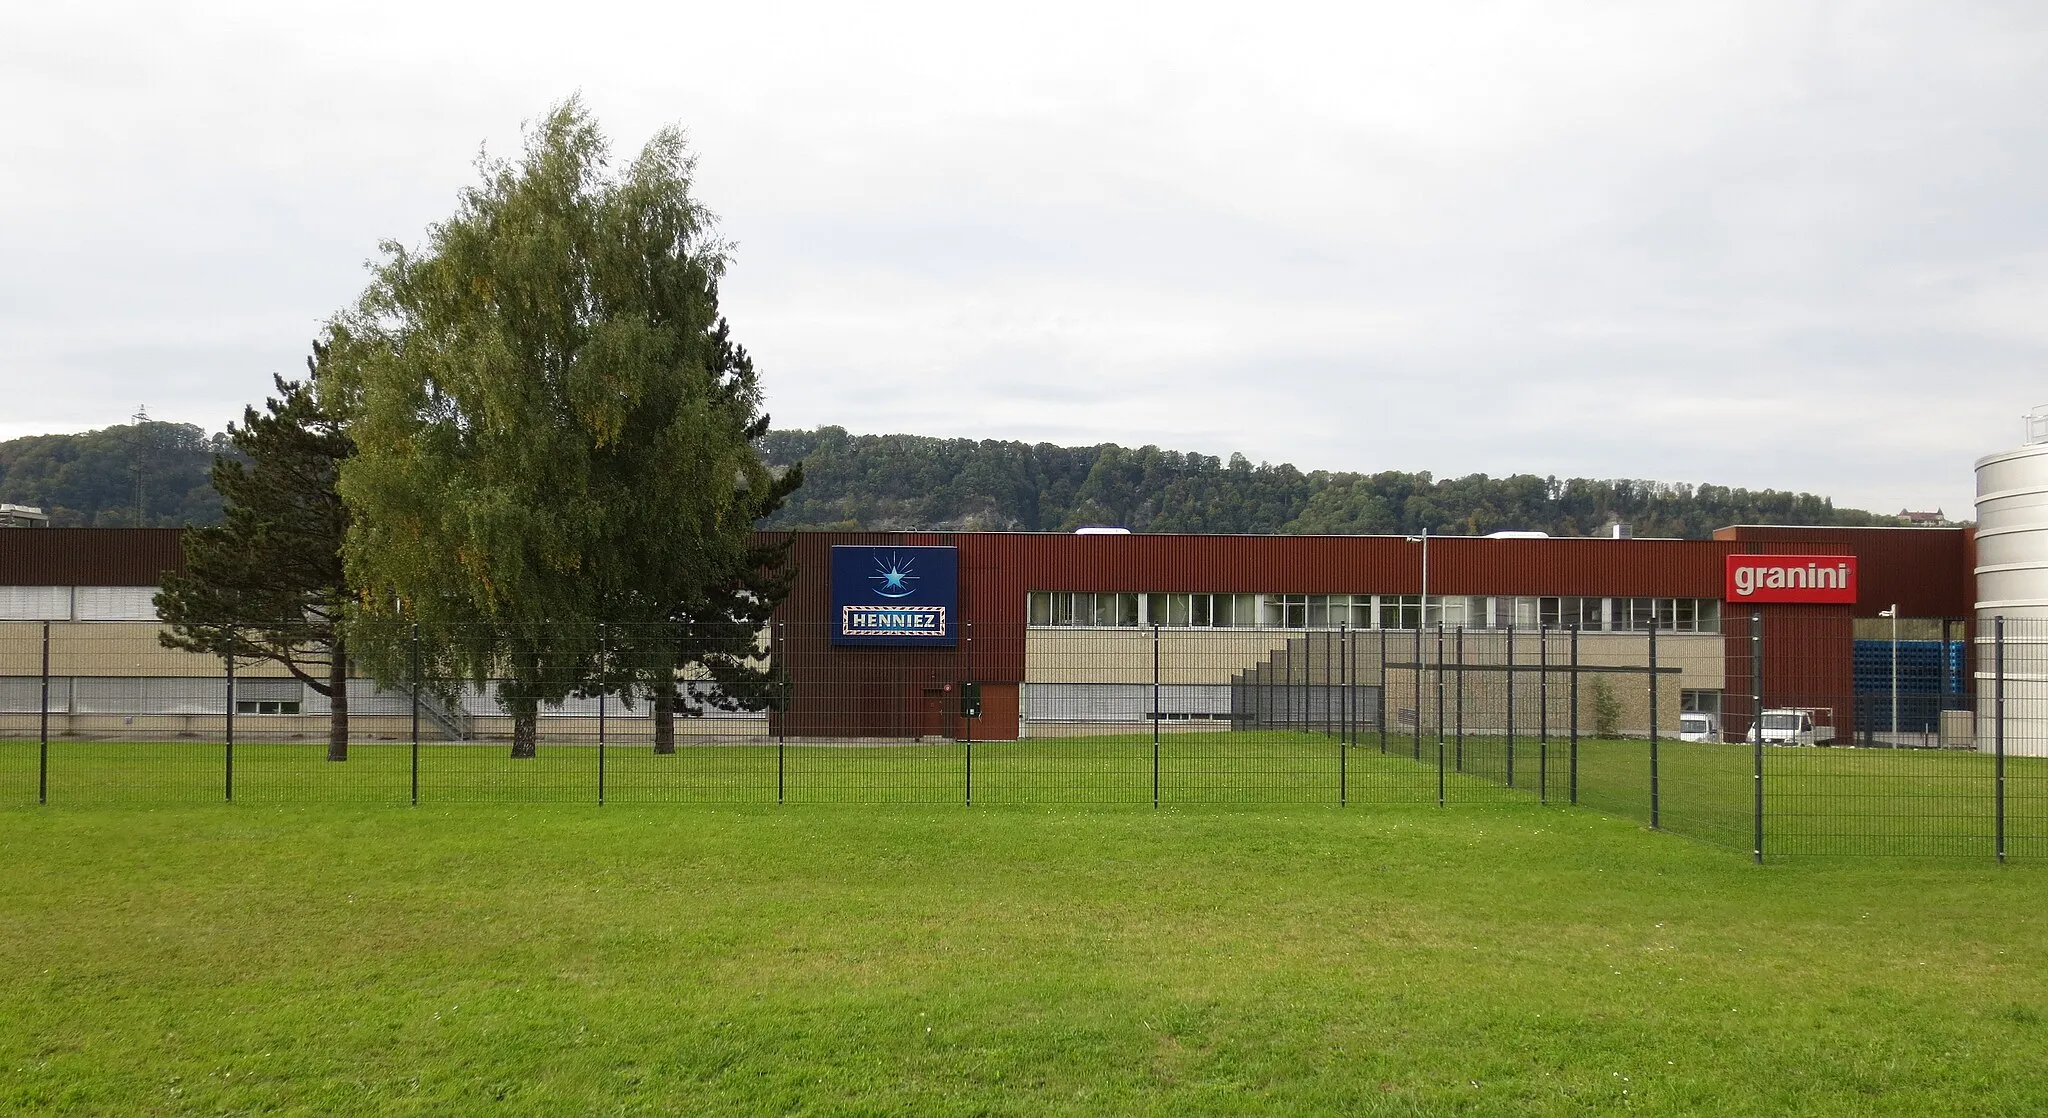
pixel 1817 801
pixel 831 960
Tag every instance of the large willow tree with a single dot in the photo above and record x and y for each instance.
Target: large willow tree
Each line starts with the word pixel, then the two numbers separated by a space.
pixel 548 439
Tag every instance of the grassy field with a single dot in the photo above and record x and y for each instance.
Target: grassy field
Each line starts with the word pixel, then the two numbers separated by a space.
pixel 826 960
pixel 1817 801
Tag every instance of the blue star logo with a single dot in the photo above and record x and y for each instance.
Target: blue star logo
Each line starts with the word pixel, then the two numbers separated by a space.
pixel 892 577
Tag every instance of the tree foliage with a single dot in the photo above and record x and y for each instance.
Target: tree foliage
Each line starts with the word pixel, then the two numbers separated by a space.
pixel 1606 709
pixel 910 482
pixel 268 584
pixel 551 452
pixel 711 630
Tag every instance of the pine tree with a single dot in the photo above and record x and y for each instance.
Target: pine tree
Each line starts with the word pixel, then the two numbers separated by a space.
pixel 268 583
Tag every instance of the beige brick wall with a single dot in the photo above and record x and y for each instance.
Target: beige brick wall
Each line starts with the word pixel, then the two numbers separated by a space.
pixel 1213 657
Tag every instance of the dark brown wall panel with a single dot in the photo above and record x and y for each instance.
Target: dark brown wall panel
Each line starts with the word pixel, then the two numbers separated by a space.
pixel 89 556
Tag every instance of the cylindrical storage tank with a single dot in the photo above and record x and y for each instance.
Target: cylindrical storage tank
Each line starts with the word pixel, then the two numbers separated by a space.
pixel 2012 582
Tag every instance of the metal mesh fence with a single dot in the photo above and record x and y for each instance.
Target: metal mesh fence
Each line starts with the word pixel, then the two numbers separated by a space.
pixel 1758 739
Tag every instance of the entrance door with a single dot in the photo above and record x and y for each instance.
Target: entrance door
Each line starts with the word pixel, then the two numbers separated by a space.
pixel 933 720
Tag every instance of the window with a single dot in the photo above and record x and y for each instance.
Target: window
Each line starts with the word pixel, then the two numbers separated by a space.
pixel 1699 702
pixel 1126 610
pixel 1063 609
pixel 1522 613
pixel 1167 609
pixel 1286 611
pixel 35 603
pixel 1667 615
pixel 265 706
pixel 116 603
pixel 1448 612
pixel 1399 611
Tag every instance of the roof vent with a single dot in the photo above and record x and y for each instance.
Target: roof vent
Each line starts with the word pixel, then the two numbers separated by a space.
pixel 2037 425
pixel 1098 531
pixel 23 516
pixel 1615 529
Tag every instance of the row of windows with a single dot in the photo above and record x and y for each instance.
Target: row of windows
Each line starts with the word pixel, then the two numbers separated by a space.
pixel 77 603
pixel 1371 611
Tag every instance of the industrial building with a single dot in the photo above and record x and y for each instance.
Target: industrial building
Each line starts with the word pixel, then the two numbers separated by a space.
pixel 884 632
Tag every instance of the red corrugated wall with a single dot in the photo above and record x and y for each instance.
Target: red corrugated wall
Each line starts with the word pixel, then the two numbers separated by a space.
pixel 1807 653
pixel 1929 572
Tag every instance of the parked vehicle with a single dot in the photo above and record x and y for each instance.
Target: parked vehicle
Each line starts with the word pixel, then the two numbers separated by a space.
pixel 1796 726
pixel 1699 726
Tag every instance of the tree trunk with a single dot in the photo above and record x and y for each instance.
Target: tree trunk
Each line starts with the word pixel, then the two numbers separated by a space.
pixel 520 696
pixel 337 703
pixel 665 716
pixel 525 729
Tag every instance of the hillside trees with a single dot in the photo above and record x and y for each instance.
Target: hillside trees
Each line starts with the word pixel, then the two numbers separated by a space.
pixel 87 480
pixel 911 482
pixel 546 440
pixel 268 583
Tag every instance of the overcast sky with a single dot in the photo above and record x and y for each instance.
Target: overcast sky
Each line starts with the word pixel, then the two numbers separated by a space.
pixel 1785 245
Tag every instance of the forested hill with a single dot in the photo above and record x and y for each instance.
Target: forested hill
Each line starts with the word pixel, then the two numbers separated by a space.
pixel 88 480
pixel 897 482
pixel 882 482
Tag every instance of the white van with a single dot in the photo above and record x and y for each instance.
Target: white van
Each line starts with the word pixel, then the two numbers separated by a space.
pixel 1699 726
pixel 1797 726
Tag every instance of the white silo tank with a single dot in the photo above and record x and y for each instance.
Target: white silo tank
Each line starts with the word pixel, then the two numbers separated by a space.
pixel 2012 582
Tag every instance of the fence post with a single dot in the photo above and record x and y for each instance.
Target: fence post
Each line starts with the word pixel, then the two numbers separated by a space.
pixel 1510 676
pixel 1998 732
pixel 228 781
pixel 1325 687
pixel 1386 693
pixel 603 668
pixel 1947 683
pixel 1439 713
pixel 43 729
pixel 1458 691
pixel 780 659
pixel 1308 671
pixel 1287 684
pixel 1756 723
pixel 1155 715
pixel 1575 714
pixel 415 715
pixel 967 769
pixel 1655 803
pixel 1345 666
pixel 1418 689
pixel 1542 712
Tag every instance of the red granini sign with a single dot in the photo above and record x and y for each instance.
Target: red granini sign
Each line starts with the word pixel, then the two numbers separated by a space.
pixel 1813 579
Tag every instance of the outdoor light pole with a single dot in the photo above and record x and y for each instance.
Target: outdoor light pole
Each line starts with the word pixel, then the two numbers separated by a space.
pixel 1423 539
pixel 1893 613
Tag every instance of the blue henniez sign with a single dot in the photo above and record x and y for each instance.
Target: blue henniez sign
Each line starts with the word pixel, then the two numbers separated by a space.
pixel 895 597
